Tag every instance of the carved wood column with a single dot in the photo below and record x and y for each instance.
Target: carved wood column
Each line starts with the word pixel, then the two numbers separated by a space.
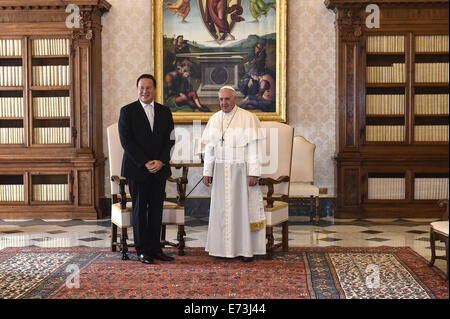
pixel 87 49
pixel 348 33
pixel 348 61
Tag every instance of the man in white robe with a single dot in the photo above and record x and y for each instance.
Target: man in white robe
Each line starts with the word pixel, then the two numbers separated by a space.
pixel 232 141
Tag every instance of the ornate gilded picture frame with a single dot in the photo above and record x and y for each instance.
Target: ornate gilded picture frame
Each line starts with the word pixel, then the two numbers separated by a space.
pixel 201 45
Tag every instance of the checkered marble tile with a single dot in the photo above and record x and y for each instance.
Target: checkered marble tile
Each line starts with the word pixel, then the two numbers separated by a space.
pixel 330 232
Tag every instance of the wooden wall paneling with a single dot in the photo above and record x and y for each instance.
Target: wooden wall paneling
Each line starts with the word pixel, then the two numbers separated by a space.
pixel 351 123
pixel 85 183
pixel 82 73
pixel 352 186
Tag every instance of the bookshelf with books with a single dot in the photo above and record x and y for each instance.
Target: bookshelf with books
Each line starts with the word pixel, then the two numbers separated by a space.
pixel 385 88
pixel 51 152
pixel 393 92
pixel 50 90
pixel 11 92
pixel 52 188
pixel 11 189
pixel 431 79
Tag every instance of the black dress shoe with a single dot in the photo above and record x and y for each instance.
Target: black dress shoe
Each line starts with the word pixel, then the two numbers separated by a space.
pixel 247 259
pixel 163 257
pixel 145 259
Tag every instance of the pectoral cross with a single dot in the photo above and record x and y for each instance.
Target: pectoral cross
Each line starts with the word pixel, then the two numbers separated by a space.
pixel 223 132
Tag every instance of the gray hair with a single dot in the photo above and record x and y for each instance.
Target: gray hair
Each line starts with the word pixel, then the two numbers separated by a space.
pixel 228 87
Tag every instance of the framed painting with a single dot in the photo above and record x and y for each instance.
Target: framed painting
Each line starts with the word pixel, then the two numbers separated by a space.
pixel 202 45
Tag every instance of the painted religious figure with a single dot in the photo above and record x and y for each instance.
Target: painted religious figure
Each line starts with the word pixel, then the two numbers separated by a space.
pixel 259 8
pixel 181 8
pixel 223 42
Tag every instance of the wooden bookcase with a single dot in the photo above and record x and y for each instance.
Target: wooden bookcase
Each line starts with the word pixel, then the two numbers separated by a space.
pixel 392 108
pixel 51 153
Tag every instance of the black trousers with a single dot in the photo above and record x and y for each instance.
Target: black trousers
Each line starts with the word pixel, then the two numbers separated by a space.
pixel 148 199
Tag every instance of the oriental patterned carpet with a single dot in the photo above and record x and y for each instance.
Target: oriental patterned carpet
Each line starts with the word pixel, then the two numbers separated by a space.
pixel 302 273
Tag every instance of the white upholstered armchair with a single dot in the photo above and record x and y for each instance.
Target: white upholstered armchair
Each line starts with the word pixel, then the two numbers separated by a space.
pixel 302 176
pixel 439 231
pixel 276 171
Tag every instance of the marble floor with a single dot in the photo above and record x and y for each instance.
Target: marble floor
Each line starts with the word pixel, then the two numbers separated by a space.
pixel 331 232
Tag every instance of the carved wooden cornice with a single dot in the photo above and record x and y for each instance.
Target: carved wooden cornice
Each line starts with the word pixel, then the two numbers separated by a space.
pixel 85 5
pixel 90 13
pixel 349 22
pixel 333 4
pixel 351 14
pixel 85 30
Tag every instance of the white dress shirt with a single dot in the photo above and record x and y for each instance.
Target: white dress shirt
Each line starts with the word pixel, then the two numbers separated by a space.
pixel 150 112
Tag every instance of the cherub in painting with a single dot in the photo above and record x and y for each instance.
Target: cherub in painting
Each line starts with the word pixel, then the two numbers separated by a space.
pixel 259 8
pixel 181 7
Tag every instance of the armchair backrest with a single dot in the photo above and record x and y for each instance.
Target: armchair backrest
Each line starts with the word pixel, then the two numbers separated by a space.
pixel 185 148
pixel 277 153
pixel 302 169
pixel 115 155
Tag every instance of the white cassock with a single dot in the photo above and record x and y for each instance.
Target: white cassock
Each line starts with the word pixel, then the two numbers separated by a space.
pixel 237 225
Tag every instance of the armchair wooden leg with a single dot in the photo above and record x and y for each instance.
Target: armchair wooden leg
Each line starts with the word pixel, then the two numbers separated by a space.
pixel 446 254
pixel 180 238
pixel 317 210
pixel 432 245
pixel 123 244
pixel 113 237
pixel 285 236
pixel 270 241
pixel 163 235
pixel 310 202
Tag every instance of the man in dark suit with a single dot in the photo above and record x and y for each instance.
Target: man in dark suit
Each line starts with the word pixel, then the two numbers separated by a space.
pixel 145 129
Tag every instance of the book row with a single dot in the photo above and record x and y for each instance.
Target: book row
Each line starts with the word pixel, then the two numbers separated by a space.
pixel 432 43
pixel 11 76
pixel 51 75
pixel 431 104
pixel 396 43
pixel 11 107
pixel 390 43
pixel 386 188
pixel 432 72
pixel 395 133
pixel 52 135
pixel 51 106
pixel 10 47
pixel 43 47
pixel 11 135
pixel 50 192
pixel 386 74
pixel 385 133
pixel 430 188
pixel 394 188
pixel 11 193
pixel 388 104
pixel 431 133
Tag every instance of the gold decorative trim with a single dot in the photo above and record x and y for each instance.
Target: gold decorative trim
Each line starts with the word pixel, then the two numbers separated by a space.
pixel 258 225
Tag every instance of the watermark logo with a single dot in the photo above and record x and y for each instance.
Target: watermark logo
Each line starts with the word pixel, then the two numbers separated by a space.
pixel 373 280
pixel 188 145
pixel 73 19
pixel 373 18
pixel 73 280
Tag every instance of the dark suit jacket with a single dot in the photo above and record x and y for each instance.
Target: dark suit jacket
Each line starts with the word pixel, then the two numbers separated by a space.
pixel 141 145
